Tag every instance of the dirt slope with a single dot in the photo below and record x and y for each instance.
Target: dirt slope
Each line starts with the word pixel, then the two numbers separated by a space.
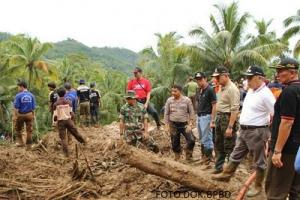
pixel 44 173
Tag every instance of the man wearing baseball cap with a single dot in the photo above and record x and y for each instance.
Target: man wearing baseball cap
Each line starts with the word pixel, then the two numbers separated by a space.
pixel 142 88
pixel 206 101
pixel 83 93
pixel 134 123
pixel 255 117
pixel 282 180
pixel 227 109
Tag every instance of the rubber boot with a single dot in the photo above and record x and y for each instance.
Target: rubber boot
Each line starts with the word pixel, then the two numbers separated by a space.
pixel 227 173
pixel 257 187
pixel 19 141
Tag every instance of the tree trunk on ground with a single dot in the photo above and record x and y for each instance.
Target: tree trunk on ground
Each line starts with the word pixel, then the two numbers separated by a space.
pixel 153 164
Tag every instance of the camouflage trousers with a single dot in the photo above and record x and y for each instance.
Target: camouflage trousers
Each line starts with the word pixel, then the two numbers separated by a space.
pixel 223 145
pixel 136 138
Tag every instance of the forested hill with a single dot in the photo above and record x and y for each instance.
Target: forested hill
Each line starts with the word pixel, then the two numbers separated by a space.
pixel 112 58
pixel 119 59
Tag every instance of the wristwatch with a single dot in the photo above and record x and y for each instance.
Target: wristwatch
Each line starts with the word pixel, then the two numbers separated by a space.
pixel 230 127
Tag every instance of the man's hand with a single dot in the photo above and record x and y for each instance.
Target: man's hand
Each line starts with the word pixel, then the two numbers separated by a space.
pixel 146 105
pixel 188 129
pixel 276 160
pixel 212 124
pixel 228 133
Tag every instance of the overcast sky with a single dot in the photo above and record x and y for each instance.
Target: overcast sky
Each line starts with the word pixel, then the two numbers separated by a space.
pixel 125 23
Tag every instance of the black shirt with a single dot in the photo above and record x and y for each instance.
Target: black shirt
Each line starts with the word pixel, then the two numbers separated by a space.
pixel 205 99
pixel 83 93
pixel 287 106
pixel 53 98
pixel 94 97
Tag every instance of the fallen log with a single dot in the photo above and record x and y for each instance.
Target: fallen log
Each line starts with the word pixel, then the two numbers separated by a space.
pixel 150 163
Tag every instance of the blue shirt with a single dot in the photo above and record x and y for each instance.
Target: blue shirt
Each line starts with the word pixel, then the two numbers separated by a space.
pixel 24 102
pixel 72 97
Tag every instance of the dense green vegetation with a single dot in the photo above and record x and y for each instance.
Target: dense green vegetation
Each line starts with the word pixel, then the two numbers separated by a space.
pixel 110 58
pixel 229 44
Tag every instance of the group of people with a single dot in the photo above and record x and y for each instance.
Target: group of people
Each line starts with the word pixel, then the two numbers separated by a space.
pixel 265 126
pixel 63 104
pixel 84 99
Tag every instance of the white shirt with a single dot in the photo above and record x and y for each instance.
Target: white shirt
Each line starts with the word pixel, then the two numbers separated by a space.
pixel 258 106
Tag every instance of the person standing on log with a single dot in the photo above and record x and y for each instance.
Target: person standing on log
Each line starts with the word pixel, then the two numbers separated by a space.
pixel 282 180
pixel 179 115
pixel 83 93
pixel 134 123
pixel 142 88
pixel 24 106
pixel 227 109
pixel 206 98
pixel 254 132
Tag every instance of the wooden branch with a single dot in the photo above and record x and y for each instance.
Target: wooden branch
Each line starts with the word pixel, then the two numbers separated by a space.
pixel 166 168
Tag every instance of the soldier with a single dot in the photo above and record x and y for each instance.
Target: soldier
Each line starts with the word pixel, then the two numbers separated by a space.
pixel 24 105
pixel 94 105
pixel 134 123
pixel 227 108
pixel 83 93
pixel 254 133
pixel 179 115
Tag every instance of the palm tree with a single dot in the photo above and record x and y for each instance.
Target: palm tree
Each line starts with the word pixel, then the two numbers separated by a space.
pixel 112 87
pixel 167 66
pixel 292 24
pixel 227 45
pixel 27 53
pixel 263 36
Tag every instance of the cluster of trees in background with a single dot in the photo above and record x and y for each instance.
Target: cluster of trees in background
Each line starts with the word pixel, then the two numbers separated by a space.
pixel 229 44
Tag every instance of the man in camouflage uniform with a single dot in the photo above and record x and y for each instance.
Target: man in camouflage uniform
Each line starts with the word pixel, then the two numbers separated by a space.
pixel 134 123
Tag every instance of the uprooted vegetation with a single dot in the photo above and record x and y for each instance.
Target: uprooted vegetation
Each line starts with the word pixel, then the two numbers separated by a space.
pixel 97 171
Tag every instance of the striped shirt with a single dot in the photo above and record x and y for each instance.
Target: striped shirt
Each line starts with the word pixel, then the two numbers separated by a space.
pixel 178 110
pixel 229 99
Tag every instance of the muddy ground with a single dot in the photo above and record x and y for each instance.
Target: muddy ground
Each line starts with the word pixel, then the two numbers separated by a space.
pixel 44 173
